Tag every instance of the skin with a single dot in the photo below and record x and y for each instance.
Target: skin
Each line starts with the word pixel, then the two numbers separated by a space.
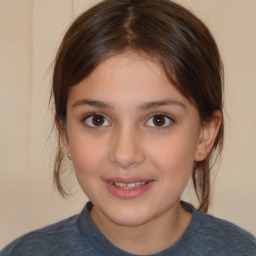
pixel 130 93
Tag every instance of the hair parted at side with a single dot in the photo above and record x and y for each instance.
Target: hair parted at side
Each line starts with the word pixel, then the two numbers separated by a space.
pixel 162 30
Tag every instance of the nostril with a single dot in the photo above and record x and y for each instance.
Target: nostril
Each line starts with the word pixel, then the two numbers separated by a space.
pixel 125 163
pixel 126 157
pixel 126 149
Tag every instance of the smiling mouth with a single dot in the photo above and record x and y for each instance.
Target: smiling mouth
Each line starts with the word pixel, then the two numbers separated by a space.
pixel 128 185
pixel 129 188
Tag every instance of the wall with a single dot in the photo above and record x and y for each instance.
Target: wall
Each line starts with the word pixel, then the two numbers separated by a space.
pixel 30 33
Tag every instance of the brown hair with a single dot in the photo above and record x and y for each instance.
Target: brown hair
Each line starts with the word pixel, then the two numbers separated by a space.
pixel 161 29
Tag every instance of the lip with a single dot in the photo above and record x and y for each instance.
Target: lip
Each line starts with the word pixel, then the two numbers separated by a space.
pixel 130 193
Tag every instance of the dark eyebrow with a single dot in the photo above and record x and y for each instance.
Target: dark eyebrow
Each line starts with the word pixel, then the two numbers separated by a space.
pixel 93 103
pixel 143 106
pixel 153 104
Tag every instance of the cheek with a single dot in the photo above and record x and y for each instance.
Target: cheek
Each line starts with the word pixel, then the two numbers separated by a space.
pixel 89 162
pixel 88 155
pixel 174 156
pixel 174 164
pixel 174 152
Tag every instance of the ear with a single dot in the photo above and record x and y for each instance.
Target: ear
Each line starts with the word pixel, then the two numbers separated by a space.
pixel 208 133
pixel 63 135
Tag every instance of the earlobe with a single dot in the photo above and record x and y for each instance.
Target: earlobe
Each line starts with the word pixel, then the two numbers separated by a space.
pixel 63 136
pixel 208 134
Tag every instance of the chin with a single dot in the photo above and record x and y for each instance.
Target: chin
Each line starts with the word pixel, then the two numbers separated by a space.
pixel 129 217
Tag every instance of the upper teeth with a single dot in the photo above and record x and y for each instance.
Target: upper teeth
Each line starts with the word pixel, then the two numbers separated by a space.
pixel 128 185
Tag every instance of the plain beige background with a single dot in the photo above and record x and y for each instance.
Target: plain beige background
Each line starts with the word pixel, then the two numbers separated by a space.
pixel 30 32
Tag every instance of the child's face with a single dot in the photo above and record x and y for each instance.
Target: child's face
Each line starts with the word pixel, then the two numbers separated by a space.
pixel 126 124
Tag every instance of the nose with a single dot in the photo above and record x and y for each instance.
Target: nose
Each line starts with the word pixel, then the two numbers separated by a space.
pixel 126 148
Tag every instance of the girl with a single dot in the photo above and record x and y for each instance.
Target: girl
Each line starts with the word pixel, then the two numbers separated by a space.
pixel 137 87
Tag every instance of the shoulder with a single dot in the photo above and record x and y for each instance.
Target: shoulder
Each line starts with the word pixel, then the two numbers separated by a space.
pixel 225 236
pixel 41 241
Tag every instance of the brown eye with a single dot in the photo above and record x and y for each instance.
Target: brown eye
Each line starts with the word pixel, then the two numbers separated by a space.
pixel 96 120
pixel 159 120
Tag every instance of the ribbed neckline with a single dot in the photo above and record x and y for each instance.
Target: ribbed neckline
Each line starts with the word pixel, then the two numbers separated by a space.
pixel 95 238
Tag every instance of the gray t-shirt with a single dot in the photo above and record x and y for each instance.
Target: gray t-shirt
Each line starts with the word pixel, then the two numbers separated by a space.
pixel 77 236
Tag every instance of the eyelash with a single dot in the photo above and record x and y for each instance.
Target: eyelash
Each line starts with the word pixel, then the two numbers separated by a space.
pixel 91 115
pixel 162 115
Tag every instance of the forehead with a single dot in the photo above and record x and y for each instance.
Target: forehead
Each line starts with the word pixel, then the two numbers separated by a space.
pixel 127 75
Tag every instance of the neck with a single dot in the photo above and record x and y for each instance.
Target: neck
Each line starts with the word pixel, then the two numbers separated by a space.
pixel 148 238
